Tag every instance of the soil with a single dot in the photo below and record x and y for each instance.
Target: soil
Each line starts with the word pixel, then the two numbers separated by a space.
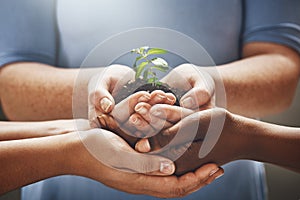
pixel 142 85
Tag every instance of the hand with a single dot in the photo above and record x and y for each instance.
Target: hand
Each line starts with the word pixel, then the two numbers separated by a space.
pixel 124 121
pixel 103 86
pixel 88 165
pixel 205 145
pixel 199 85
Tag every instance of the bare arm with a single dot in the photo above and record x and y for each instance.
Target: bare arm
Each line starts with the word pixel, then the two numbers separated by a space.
pixel 263 82
pixel 240 138
pixel 29 160
pixel 23 130
pixel 271 143
pixel 34 91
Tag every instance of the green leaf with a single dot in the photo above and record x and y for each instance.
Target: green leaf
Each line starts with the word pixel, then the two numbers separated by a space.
pixel 158 83
pixel 140 68
pixel 143 49
pixel 156 51
pixel 160 62
pixel 152 80
pixel 160 68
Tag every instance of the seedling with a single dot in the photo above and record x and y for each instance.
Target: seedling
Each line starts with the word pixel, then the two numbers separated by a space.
pixel 145 67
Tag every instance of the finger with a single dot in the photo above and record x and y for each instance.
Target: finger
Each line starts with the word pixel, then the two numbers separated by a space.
pixel 203 176
pixel 100 95
pixel 113 151
pixel 132 161
pixel 143 146
pixel 142 109
pixel 157 96
pixel 155 122
pixel 160 97
pixel 143 163
pixel 144 129
pixel 140 124
pixel 125 108
pixel 196 98
pixel 170 113
pixel 108 122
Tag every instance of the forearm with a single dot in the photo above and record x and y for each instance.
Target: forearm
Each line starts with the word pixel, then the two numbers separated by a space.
pixel 262 83
pixel 271 143
pixel 22 130
pixel 30 160
pixel 34 91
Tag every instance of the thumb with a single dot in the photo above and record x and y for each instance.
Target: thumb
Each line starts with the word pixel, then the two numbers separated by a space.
pixel 113 151
pixel 147 164
pixel 99 95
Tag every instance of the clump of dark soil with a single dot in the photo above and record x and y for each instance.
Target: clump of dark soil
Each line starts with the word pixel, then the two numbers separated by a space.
pixel 141 85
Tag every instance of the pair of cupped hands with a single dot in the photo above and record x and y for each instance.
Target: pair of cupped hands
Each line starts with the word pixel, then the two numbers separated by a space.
pixel 140 134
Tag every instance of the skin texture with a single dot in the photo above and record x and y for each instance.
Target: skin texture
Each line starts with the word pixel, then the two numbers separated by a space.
pixel 24 130
pixel 56 154
pixel 265 71
pixel 247 139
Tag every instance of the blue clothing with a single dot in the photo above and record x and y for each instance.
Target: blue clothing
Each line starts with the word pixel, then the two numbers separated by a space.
pixel 62 33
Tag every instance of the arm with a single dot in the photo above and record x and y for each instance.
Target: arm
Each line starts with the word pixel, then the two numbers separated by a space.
pixel 23 130
pixel 240 138
pixel 54 92
pixel 30 160
pixel 35 91
pixel 263 82
pixel 271 143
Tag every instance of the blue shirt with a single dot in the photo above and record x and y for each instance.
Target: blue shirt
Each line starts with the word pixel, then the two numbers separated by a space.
pixel 62 33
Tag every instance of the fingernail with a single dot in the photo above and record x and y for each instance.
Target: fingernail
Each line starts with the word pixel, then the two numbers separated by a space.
pixel 167 167
pixel 188 102
pixel 146 146
pixel 214 171
pixel 159 97
pixel 105 104
pixel 172 100
pixel 143 146
pixel 144 98
pixel 142 110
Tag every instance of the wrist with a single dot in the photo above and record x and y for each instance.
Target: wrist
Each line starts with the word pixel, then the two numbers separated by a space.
pixel 72 153
pixel 242 136
pixel 79 160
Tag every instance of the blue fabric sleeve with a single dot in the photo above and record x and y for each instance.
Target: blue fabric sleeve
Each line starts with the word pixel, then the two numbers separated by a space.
pixel 27 31
pixel 276 21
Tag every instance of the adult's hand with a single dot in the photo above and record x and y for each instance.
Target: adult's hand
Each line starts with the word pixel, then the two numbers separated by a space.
pixel 103 86
pixel 184 140
pixel 199 85
pixel 90 161
pixel 127 123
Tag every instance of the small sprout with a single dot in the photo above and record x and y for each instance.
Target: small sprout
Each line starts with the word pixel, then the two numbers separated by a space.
pixel 147 66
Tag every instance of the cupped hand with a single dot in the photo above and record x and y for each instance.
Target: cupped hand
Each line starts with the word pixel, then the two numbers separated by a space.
pixel 206 136
pixel 127 123
pixel 103 86
pixel 198 84
pixel 117 165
